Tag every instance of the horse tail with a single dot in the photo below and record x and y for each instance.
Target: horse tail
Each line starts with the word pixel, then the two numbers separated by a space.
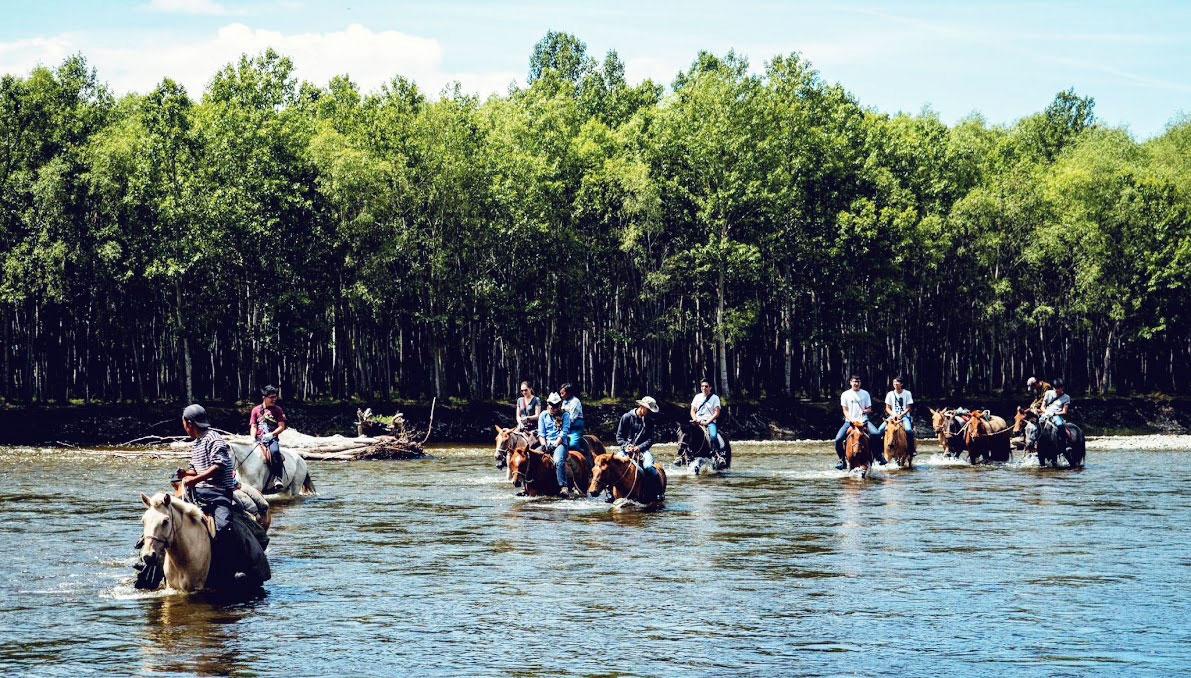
pixel 308 484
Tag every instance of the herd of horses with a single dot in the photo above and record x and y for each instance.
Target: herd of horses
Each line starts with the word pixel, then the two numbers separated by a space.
pixel 177 538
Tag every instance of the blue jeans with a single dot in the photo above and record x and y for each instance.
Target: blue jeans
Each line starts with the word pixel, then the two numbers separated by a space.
pixel 575 435
pixel 215 503
pixel 647 463
pixel 560 465
pixel 712 433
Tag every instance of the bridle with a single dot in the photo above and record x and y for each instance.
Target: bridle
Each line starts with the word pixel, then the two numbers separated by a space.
pixel 624 474
pixel 165 544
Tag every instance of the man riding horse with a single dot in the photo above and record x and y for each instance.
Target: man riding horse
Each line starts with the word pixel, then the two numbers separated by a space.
pixel 856 404
pixel 705 410
pixel 554 426
pixel 634 435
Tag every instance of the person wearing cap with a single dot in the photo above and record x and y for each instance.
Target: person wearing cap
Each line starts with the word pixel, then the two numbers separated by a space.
pixel 705 409
pixel 210 478
pixel 1037 389
pixel 265 423
pixel 634 434
pixel 553 427
pixel 528 408
pixel 573 407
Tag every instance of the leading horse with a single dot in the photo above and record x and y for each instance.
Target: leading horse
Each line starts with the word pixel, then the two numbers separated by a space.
pixel 897 443
pixel 694 446
pixel 533 470
pixel 857 448
pixel 627 480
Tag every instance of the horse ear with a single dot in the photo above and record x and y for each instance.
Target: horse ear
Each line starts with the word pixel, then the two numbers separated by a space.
pixel 498 429
pixel 145 499
pixel 166 500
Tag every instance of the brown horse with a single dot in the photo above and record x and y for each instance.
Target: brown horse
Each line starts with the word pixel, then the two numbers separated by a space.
pixel 1020 419
pixel 621 474
pixel 856 447
pixel 507 440
pixel 986 437
pixel 534 471
pixel 897 445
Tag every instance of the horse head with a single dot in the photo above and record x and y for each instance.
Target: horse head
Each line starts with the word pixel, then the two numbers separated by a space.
pixel 519 464
pixel 893 426
pixel 502 443
pixel 159 528
pixel 977 426
pixel 1020 418
pixel 602 472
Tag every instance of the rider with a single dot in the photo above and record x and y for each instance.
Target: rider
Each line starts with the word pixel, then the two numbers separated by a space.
pixel 1037 389
pixel 705 409
pixel 528 408
pixel 634 434
pixel 898 405
pixel 856 404
pixel 265 423
pixel 1055 405
pixel 210 475
pixel 572 406
pixel 553 428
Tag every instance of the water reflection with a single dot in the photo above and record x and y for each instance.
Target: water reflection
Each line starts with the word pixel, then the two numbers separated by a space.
pixel 195 634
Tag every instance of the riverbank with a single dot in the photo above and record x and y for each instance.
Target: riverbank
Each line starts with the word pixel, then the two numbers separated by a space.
pixel 768 419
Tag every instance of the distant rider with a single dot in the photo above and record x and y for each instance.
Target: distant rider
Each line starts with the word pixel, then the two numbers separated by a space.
pixel 705 409
pixel 898 405
pixel 528 408
pixel 634 434
pixel 553 428
pixel 1037 389
pixel 265 424
pixel 856 404
pixel 1055 404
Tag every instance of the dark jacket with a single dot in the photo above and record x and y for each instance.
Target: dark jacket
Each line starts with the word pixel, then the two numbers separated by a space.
pixel 634 430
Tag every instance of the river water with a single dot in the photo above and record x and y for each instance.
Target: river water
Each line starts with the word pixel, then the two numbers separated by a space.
pixel 780 567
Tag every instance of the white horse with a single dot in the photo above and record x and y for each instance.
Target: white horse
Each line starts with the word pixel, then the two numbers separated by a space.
pixel 177 537
pixel 253 471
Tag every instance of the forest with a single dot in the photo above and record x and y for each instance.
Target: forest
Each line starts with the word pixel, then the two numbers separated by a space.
pixel 761 227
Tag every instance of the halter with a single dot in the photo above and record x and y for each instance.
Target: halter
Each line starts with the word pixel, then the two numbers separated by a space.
pixel 173 530
pixel 625 474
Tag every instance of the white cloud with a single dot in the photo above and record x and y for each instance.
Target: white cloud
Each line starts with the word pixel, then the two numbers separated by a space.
pixel 370 57
pixel 187 7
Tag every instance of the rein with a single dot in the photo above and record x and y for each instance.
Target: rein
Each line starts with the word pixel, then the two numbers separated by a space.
pixel 173 531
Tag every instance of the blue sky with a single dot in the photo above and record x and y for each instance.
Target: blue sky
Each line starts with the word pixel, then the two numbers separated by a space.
pixel 1003 60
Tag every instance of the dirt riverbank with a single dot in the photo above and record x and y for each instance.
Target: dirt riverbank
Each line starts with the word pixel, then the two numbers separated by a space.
pixel 473 422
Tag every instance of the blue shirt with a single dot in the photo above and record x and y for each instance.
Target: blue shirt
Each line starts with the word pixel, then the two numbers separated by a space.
pixel 573 407
pixel 550 431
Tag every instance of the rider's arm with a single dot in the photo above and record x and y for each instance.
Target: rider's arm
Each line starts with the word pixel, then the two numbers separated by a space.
pixel 252 423
pixel 1063 412
pixel 646 435
pixel 694 413
pixel 622 434
pixel 715 414
pixel 537 413
pixel 192 480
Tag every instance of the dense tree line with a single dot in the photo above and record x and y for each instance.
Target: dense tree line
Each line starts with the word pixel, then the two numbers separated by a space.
pixel 765 229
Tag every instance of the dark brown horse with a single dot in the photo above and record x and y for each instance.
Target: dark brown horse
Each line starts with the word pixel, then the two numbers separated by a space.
pixel 618 472
pixel 534 471
pixel 897 444
pixel 986 437
pixel 856 447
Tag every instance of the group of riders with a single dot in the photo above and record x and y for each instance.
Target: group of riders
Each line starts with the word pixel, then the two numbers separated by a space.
pixel 1048 409
pixel 559 425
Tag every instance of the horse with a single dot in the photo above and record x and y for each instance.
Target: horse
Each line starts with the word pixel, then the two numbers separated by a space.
pixel 897 445
pixel 949 429
pixel 986 437
pixel 176 540
pixel 252 470
pixel 618 472
pixel 857 450
pixel 508 439
pixel 694 446
pixel 533 470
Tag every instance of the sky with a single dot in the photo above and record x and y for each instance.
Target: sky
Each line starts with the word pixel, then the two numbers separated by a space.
pixel 1001 60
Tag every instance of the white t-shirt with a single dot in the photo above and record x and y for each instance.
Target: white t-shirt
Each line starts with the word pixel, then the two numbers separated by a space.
pixel 1053 402
pixel 855 402
pixel 706 407
pixel 899 402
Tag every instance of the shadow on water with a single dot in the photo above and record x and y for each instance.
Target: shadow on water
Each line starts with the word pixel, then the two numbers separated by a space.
pixel 196 634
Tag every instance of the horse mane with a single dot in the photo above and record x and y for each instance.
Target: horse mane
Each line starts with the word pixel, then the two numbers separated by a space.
pixel 187 509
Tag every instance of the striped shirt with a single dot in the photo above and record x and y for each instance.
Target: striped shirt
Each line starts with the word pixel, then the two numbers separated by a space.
pixel 208 450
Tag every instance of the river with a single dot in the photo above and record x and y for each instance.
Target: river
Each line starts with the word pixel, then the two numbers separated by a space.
pixel 782 566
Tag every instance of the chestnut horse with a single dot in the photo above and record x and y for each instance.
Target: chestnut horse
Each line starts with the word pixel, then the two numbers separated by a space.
pixel 897 444
pixel 856 447
pixel 949 430
pixel 534 471
pixel 507 440
pixel 627 482
pixel 986 437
